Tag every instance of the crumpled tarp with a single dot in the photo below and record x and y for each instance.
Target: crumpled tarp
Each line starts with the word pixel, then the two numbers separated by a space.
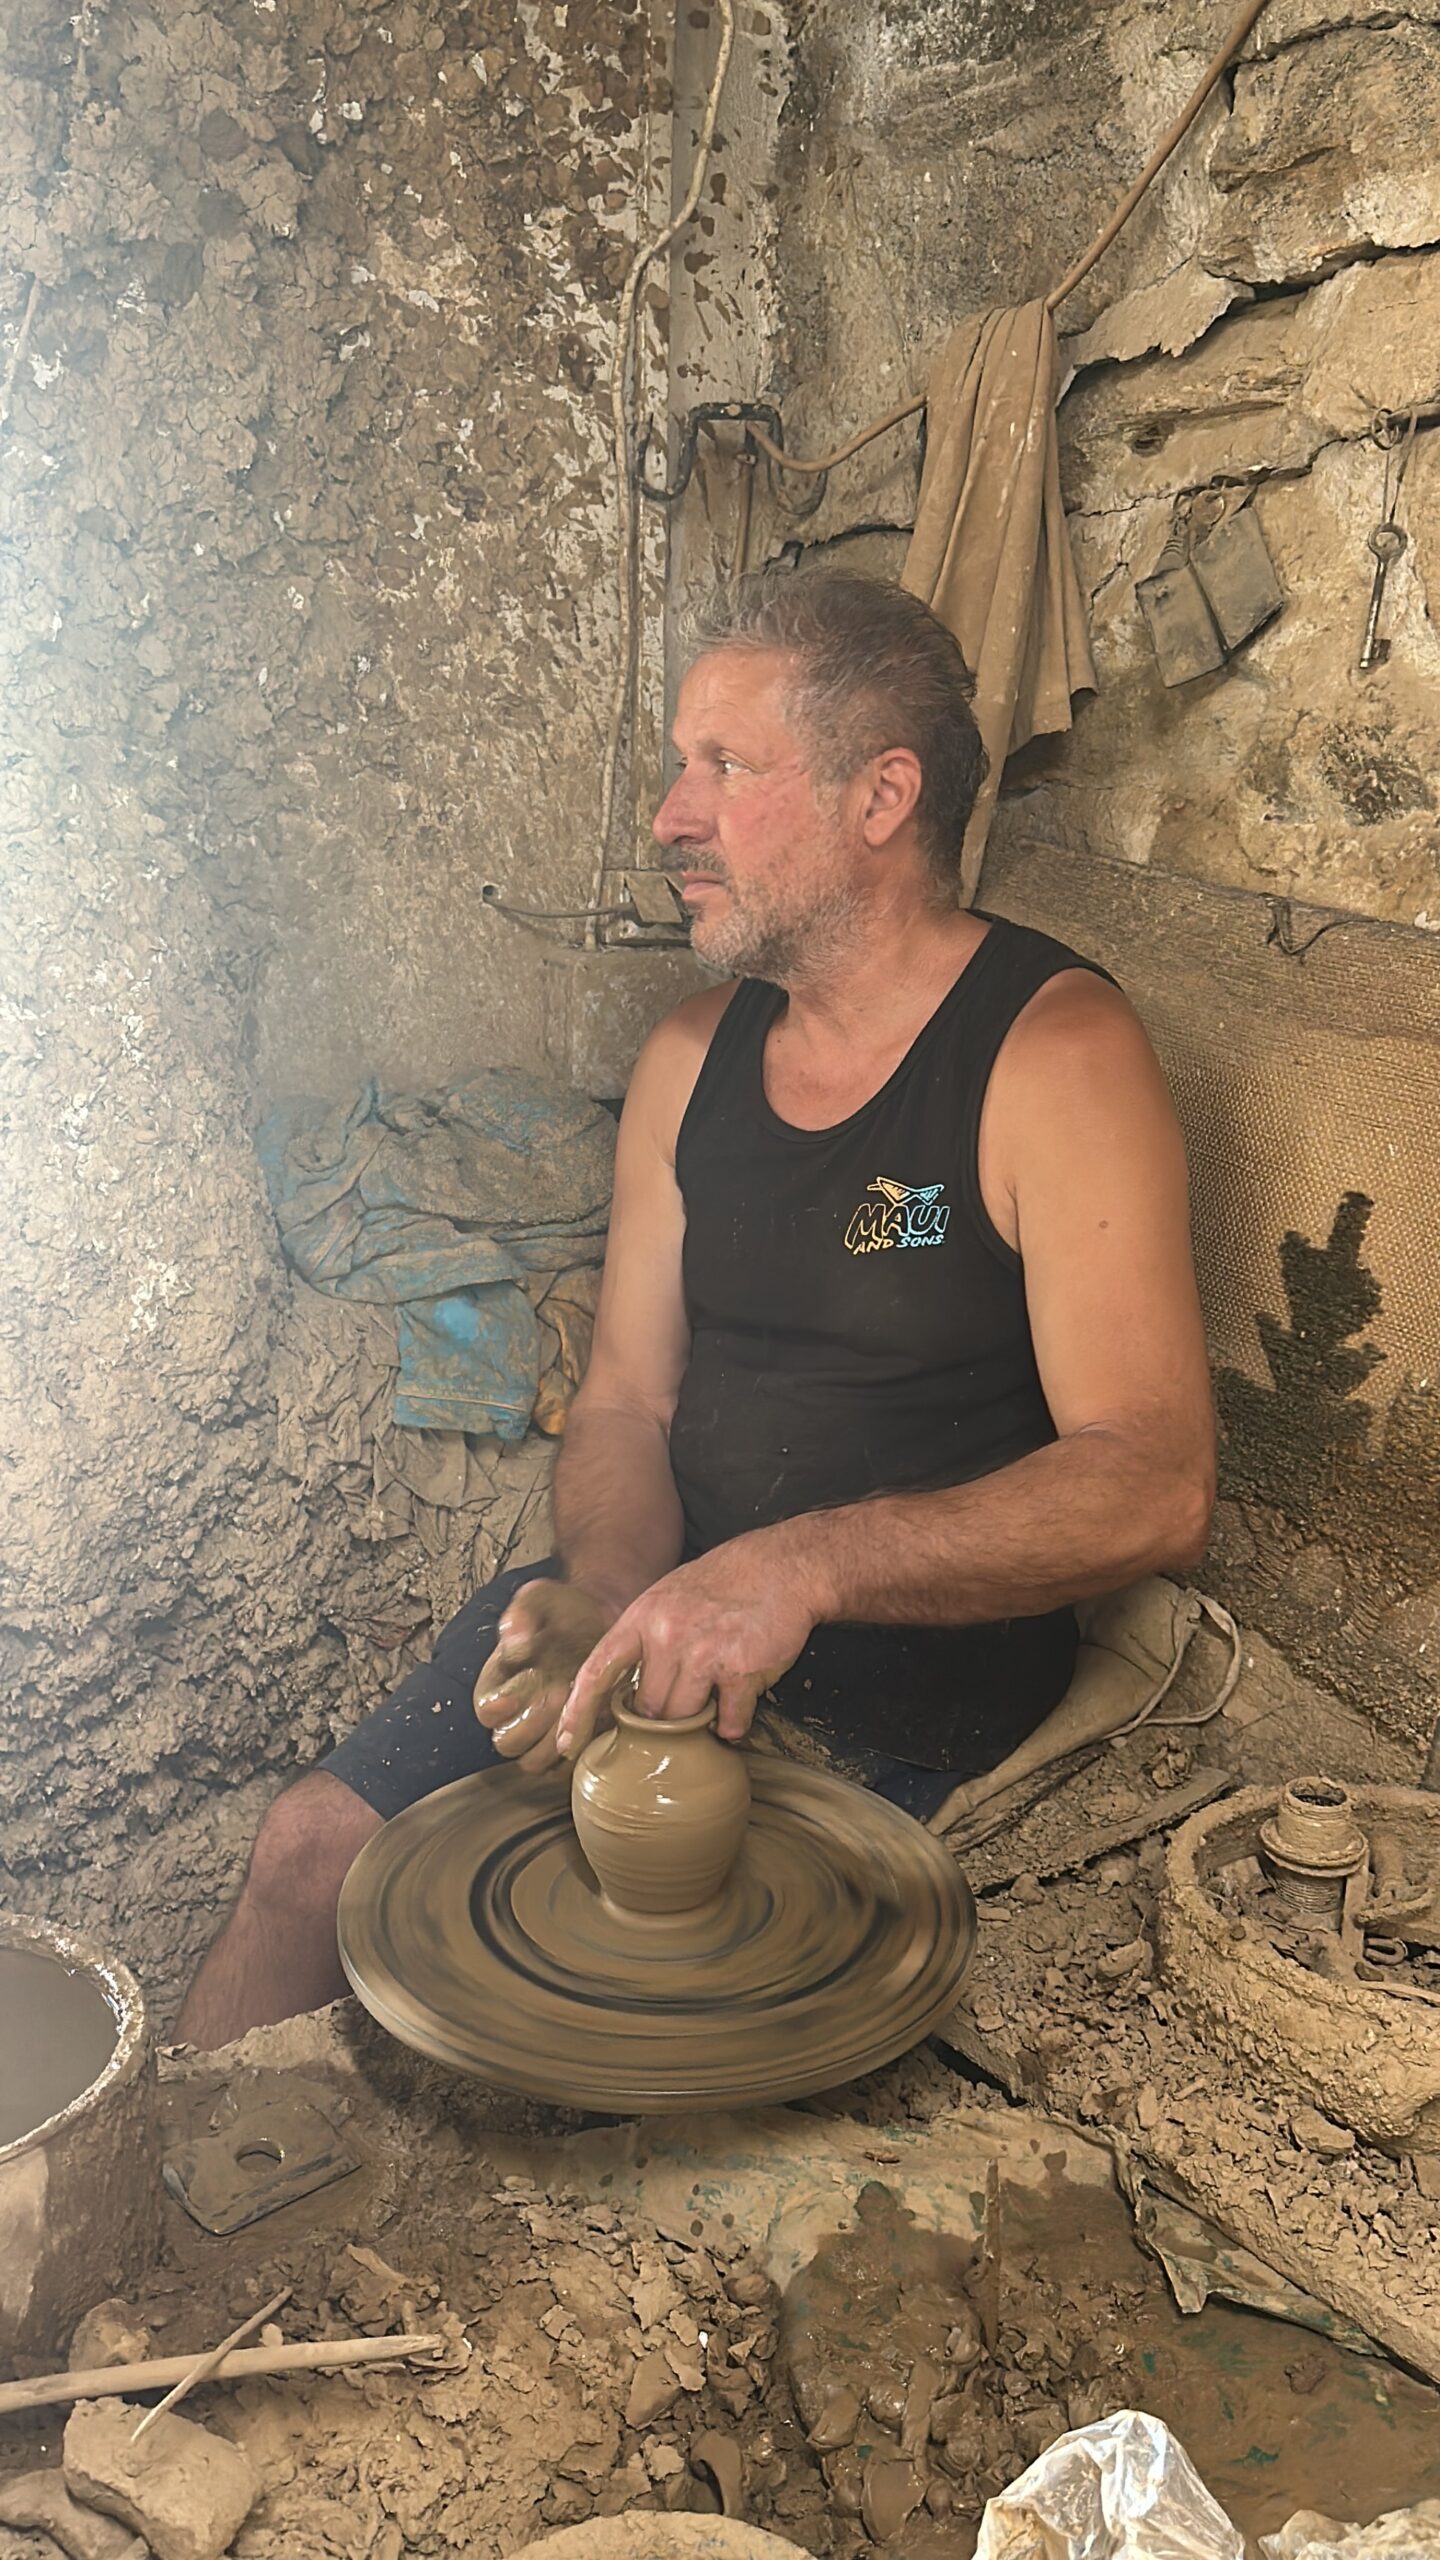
pixel 1406 2533
pixel 446 1207
pixel 1123 2488
pixel 990 553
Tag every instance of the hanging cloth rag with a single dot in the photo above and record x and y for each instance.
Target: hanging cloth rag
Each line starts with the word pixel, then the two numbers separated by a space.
pixel 990 553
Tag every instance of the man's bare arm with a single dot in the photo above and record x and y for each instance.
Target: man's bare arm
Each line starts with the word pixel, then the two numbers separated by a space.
pixel 1095 1511
pixel 1084 1170
pixel 617 1515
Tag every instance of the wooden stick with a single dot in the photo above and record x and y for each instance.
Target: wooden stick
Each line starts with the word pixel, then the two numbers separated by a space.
pixel 204 2366
pixel 312 2355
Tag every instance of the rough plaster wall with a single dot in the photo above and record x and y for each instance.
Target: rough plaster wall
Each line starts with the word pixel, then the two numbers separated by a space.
pixel 302 599
pixel 326 299
pixel 948 155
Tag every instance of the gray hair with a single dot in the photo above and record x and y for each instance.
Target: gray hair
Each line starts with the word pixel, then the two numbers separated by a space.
pixel 874 668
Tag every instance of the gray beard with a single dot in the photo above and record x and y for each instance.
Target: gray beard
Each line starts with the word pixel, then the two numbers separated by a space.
pixel 780 949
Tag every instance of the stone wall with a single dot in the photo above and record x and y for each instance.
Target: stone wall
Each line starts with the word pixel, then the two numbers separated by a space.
pixel 1278 288
pixel 306 625
pixel 306 630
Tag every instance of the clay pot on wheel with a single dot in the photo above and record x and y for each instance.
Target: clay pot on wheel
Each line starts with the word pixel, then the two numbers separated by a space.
pixel 660 1810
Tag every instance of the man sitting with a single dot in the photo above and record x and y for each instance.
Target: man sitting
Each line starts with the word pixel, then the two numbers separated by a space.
pixel 898 1353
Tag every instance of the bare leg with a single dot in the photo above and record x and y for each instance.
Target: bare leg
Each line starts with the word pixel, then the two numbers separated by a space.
pixel 276 1954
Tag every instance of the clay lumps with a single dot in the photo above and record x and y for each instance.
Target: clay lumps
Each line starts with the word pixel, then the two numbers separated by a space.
pixel 660 1810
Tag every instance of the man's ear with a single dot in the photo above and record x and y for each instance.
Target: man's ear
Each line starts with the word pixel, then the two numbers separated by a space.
pixel 892 782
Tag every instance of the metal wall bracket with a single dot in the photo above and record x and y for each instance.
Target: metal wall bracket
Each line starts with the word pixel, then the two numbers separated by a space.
pixel 709 413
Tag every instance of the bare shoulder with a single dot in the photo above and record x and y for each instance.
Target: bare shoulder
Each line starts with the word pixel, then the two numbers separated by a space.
pixel 1076 1028
pixel 693 1022
pixel 665 1071
pixel 1078 1111
pixel 1077 1096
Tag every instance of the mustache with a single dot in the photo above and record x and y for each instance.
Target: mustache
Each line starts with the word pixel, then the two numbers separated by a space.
pixel 678 858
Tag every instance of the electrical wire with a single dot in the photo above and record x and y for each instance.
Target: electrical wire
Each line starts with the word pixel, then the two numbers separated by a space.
pixel 490 897
pixel 1219 63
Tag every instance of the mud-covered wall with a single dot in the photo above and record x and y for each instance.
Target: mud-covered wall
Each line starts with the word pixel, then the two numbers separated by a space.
pixel 1276 291
pixel 312 413
pixel 305 629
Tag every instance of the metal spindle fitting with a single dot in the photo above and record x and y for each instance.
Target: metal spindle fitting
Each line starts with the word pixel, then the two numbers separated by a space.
pixel 1312 1844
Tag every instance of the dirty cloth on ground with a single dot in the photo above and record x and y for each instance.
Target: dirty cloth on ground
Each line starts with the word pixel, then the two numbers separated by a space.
pixel 990 553
pixel 443 1206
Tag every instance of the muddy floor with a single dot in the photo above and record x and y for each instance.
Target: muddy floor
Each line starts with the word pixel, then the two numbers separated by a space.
pixel 602 2356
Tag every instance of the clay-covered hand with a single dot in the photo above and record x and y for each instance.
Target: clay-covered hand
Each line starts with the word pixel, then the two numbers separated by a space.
pixel 722 1627
pixel 545 1635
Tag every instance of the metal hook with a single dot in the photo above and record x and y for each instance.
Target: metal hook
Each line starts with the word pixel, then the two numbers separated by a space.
pixel 667 494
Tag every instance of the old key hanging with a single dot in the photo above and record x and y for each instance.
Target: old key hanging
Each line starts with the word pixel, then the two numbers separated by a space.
pixel 1386 540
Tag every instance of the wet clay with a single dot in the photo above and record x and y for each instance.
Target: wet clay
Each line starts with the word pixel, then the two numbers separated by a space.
pixel 57 2032
pixel 881 2335
pixel 660 1810
pixel 474 1929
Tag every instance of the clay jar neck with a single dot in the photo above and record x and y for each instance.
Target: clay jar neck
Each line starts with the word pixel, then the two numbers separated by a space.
pixel 660 1809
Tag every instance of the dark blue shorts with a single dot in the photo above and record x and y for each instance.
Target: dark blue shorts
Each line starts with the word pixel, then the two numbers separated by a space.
pixel 427 1734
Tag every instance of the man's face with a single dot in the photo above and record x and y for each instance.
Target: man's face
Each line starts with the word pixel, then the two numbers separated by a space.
pixel 769 863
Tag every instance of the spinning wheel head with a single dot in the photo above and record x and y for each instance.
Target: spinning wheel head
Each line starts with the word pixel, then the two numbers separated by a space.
pixel 473 1928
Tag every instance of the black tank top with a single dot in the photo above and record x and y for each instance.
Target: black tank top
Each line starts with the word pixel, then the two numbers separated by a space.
pixel 858 1327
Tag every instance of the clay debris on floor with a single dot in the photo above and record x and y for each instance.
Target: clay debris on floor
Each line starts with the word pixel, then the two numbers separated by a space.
pixel 1062 2004
pixel 613 2339
pixel 594 2368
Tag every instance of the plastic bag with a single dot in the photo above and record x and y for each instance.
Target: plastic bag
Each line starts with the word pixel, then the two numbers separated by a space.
pixel 1407 2533
pixel 1122 2489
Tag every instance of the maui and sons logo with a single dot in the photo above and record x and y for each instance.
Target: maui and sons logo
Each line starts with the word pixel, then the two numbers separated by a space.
pixel 905 1213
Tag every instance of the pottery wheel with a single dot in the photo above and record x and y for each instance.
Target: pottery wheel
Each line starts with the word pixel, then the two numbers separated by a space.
pixel 473 1929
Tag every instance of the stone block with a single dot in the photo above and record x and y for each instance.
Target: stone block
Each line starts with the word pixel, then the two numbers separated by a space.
pixel 186 2491
pixel 1286 21
pixel 1165 317
pixel 1286 773
pixel 1289 772
pixel 1261 393
pixel 1330 151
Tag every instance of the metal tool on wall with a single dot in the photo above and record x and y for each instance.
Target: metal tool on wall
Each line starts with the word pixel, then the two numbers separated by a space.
pixel 1386 540
pixel 1213 586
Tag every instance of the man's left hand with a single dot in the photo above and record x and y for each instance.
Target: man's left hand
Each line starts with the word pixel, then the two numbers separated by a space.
pixel 725 1626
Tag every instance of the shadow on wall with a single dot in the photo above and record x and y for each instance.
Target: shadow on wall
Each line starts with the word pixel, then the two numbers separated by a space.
pixel 1352 1484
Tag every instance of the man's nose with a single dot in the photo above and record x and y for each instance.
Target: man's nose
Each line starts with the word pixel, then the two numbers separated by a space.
pixel 677 816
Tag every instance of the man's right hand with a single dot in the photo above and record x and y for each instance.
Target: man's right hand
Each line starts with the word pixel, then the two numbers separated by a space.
pixel 548 1630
